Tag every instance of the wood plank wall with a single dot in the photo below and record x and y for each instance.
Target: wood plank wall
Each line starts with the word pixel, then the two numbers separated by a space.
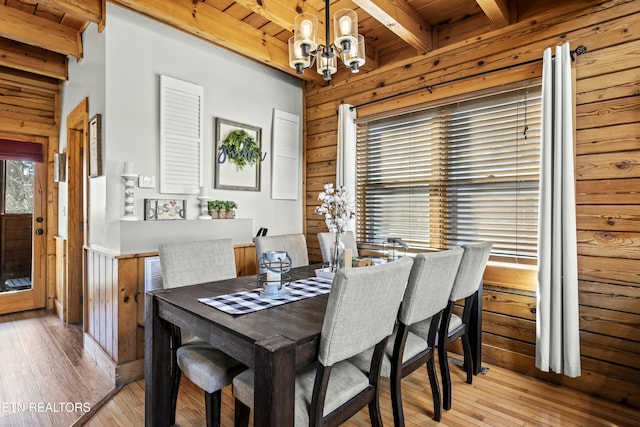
pixel 608 177
pixel 114 329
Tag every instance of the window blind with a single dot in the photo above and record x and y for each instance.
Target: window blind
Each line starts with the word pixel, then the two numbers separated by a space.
pixel 453 174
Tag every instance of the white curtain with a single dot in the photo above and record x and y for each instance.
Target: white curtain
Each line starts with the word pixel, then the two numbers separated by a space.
pixel 346 161
pixel 557 318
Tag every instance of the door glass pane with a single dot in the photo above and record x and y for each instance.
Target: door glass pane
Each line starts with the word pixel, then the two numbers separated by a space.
pixel 19 187
pixel 17 223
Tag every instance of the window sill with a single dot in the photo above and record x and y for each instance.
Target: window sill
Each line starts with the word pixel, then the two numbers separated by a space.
pixel 512 276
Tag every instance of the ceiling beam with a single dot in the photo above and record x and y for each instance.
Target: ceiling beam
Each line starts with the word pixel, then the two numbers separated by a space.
pixel 32 59
pixel 401 19
pixel 88 10
pixel 35 31
pixel 497 11
pixel 280 12
pixel 213 25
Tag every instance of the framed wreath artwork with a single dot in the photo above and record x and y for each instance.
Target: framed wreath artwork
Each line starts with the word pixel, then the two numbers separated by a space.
pixel 238 156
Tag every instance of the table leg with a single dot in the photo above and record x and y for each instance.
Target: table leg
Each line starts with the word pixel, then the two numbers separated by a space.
pixel 475 332
pixel 157 361
pixel 274 391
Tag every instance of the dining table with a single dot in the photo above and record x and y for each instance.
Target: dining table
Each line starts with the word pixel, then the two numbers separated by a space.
pixel 275 342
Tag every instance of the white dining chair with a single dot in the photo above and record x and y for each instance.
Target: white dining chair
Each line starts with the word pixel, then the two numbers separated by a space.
pixel 326 239
pixel 361 312
pixel 189 263
pixel 465 287
pixel 412 344
pixel 294 244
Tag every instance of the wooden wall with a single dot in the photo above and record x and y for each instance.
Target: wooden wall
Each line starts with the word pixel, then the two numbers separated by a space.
pixel 114 305
pixel 608 177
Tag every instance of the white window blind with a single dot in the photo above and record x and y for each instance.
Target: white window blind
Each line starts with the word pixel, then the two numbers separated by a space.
pixel 453 174
pixel 181 119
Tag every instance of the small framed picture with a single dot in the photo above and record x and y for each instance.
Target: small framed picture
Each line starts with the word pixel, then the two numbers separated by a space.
pixel 163 209
pixel 95 146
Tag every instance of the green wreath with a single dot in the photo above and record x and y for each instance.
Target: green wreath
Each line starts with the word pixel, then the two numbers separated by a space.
pixel 240 148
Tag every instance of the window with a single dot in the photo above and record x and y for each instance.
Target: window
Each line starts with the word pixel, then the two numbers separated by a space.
pixel 453 174
pixel 18 186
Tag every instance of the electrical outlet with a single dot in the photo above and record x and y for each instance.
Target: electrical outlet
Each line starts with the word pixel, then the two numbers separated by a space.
pixel 146 181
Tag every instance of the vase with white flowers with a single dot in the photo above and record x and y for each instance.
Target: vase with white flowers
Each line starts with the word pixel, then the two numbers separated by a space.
pixel 337 208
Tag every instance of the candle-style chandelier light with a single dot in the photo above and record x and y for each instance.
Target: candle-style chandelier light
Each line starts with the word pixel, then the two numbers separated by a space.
pixel 348 45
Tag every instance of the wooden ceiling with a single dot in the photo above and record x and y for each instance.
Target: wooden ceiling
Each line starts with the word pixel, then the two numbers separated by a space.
pixel 38 36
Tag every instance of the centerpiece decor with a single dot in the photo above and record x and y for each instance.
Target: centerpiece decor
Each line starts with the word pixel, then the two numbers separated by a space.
pixel 337 209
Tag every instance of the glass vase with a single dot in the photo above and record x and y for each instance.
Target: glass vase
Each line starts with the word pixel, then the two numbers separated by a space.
pixel 337 252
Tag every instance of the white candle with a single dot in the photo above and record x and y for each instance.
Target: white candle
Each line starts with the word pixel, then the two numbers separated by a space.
pixel 128 167
pixel 273 277
pixel 204 191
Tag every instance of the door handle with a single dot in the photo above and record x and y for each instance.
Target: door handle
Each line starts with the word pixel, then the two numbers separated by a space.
pixel 39 219
pixel 39 231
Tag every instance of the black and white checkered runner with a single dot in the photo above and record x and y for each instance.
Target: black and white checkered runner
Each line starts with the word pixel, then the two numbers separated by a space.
pixel 250 301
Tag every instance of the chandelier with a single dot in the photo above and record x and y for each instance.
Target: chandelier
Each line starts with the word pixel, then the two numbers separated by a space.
pixel 348 45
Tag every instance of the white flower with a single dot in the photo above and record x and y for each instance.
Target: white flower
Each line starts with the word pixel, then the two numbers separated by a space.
pixel 336 207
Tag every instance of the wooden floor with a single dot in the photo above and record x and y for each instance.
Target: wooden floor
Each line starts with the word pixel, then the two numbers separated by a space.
pixel 43 365
pixel 497 398
pixel 46 378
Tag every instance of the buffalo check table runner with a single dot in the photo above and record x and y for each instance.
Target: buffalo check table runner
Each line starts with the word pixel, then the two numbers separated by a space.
pixel 250 301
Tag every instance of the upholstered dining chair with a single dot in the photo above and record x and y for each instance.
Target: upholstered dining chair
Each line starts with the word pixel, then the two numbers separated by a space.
pixel 361 312
pixel 465 287
pixel 294 244
pixel 412 344
pixel 189 263
pixel 326 239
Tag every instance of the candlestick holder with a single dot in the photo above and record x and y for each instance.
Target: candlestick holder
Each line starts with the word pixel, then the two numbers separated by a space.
pixel 204 207
pixel 129 185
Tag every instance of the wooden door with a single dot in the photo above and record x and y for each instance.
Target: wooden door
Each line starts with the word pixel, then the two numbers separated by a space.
pixel 17 295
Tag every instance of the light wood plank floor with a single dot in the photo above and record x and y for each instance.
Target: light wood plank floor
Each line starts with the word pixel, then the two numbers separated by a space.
pixel 42 363
pixel 46 378
pixel 498 398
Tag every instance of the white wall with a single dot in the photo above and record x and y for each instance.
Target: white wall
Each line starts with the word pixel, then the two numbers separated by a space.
pixel 133 52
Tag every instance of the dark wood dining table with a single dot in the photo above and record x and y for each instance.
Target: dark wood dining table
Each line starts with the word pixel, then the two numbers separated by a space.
pixel 274 341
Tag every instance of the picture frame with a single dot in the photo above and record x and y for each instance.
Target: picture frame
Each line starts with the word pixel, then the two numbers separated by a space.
pixel 228 174
pixel 60 167
pixel 95 146
pixel 164 209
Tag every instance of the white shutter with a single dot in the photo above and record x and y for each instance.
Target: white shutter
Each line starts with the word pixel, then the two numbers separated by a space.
pixel 181 119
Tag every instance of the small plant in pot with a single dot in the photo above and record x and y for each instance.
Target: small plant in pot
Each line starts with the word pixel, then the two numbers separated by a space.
pixel 230 209
pixel 216 208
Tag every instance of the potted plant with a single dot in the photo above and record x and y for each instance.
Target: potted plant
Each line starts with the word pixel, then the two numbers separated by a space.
pixel 216 208
pixel 230 207
pixel 241 149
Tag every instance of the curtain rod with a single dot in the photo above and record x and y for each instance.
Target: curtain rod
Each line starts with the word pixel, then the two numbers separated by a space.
pixel 577 51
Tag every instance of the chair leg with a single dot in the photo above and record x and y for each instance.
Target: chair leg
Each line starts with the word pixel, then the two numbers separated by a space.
pixel 213 405
pixel 468 357
pixel 241 414
pixel 176 375
pixel 396 398
pixel 443 336
pixel 374 412
pixel 435 389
